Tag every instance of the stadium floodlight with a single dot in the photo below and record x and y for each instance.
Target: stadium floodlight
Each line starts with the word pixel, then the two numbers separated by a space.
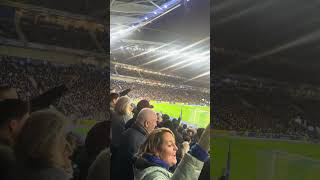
pixel 173 53
pixel 155 12
pixel 194 60
pixel 191 56
pixel 146 18
pixel 198 76
pixel 187 57
pixel 178 51
pixel 121 31
pixel 152 50
pixel 174 65
pixel 165 6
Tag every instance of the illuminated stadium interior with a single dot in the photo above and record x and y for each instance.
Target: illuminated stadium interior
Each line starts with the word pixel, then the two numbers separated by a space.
pixel 145 34
pixel 266 89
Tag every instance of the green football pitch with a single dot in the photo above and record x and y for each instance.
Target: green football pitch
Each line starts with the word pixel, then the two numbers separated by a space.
pixel 193 115
pixel 264 159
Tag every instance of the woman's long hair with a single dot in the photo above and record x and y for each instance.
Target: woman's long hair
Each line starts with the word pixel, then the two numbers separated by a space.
pixel 154 141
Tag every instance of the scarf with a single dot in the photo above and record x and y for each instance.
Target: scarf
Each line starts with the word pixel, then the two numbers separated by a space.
pixel 156 160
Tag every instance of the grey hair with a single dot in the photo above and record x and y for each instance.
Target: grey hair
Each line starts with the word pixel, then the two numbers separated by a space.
pixel 36 141
pixel 143 115
pixel 122 105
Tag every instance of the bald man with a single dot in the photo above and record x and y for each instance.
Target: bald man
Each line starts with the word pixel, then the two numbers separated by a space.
pixel 130 144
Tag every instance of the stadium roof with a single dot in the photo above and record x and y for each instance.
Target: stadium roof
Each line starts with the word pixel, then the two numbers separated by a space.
pixel 272 39
pixel 17 14
pixel 166 25
pixel 92 8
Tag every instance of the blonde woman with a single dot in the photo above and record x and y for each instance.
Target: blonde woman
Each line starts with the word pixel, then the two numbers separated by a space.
pixel 123 112
pixel 41 149
pixel 158 154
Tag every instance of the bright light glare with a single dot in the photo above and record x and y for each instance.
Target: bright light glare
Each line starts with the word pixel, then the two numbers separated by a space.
pixel 120 32
pixel 178 51
pixel 198 76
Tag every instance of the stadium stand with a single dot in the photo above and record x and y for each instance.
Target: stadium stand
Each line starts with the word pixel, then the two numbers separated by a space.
pixel 263 112
pixel 7 25
pixel 33 28
pixel 160 93
pixel 51 27
pixel 31 78
pixel 47 33
pixel 52 58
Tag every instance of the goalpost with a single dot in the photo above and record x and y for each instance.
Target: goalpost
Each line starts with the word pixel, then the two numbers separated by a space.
pixel 197 113
pixel 280 165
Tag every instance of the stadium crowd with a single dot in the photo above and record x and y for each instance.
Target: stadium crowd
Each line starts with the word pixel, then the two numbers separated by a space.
pixel 146 145
pixel 261 113
pixel 142 74
pixel 86 98
pixel 35 140
pixel 127 72
pixel 159 93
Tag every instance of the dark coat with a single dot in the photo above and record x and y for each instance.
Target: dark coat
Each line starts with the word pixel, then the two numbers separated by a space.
pixel 98 139
pixel 43 174
pixel 117 128
pixel 131 122
pixel 7 158
pixel 178 136
pixel 205 172
pixel 122 168
pixel 100 168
